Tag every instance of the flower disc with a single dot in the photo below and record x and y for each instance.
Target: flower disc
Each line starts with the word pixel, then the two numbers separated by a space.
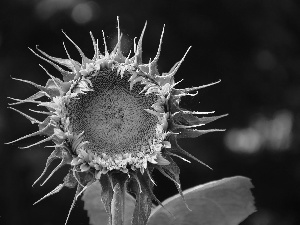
pixel 112 116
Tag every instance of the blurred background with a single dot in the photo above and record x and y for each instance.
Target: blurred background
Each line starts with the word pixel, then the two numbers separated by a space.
pixel 253 46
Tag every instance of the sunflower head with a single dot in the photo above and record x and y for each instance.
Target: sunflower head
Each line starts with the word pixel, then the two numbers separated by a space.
pixel 114 119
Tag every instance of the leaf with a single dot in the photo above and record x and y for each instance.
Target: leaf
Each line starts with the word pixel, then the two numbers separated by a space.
pixel 95 207
pixel 224 202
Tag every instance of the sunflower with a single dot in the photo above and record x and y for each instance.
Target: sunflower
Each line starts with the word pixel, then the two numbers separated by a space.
pixel 114 119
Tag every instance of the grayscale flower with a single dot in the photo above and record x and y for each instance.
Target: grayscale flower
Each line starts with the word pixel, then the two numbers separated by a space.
pixel 114 119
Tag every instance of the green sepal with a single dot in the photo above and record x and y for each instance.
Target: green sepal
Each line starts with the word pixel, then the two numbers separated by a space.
pixel 107 193
pixel 67 76
pixel 118 204
pixel 143 203
pixel 79 190
pixel 31 119
pixel 109 197
pixel 69 180
pixel 173 103
pixel 58 86
pixel 187 118
pixel 144 180
pixel 56 154
pixel 84 178
pixel 46 128
pixel 177 149
pixel 69 63
pixel 50 85
pixel 191 133
pixel 35 96
pixel 162 80
pixel 46 90
pixel 172 172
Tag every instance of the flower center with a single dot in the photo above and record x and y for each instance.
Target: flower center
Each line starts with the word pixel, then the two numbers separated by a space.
pixel 113 117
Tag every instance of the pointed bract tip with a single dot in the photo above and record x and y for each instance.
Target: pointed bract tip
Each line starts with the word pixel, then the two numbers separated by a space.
pixel 40 142
pixel 177 65
pixel 142 35
pixel 159 47
pixel 200 87
pixel 160 42
pixel 54 191
pixel 84 58
pixel 105 46
pixel 118 27
pixel 138 52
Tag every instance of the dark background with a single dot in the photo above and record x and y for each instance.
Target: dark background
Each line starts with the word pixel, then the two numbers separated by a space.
pixel 252 45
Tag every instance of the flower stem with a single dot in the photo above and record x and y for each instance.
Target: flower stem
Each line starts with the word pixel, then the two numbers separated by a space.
pixel 118 205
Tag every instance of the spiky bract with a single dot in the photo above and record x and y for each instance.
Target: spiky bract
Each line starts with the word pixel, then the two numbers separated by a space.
pixel 113 118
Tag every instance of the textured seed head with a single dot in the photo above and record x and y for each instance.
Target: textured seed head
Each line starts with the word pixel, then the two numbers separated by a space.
pixel 112 116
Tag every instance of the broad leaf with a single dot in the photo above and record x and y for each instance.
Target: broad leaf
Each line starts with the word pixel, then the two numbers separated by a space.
pixel 225 202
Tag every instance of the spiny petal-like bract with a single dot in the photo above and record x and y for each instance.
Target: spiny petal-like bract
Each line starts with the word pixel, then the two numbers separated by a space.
pixel 114 119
